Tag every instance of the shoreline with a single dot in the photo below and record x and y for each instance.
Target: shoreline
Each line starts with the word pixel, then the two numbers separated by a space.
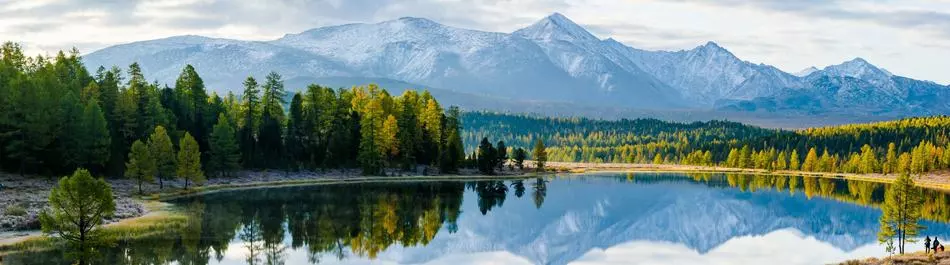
pixel 939 181
pixel 155 210
pixel 154 207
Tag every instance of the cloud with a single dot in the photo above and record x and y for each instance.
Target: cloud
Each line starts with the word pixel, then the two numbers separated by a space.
pixel 932 16
pixel 907 36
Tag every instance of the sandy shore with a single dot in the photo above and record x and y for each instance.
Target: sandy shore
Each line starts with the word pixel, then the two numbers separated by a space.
pixel 921 258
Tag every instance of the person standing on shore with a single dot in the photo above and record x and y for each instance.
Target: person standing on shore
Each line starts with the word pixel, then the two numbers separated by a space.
pixel 927 244
pixel 936 244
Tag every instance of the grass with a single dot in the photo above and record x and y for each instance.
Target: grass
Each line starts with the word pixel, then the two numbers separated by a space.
pixel 160 219
pixel 14 210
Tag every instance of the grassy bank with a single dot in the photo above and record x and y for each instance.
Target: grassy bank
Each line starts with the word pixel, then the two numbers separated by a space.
pixel 161 217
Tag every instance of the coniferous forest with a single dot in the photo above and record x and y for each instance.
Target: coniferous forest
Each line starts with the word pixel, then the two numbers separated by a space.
pixel 56 116
pixel 912 145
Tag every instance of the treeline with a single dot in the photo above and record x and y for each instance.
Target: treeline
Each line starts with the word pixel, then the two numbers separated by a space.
pixel 913 145
pixel 56 116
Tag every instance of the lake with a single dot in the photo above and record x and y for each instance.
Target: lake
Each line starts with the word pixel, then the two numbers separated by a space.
pixel 603 218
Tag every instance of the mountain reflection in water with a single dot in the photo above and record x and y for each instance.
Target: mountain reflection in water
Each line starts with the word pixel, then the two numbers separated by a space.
pixel 586 219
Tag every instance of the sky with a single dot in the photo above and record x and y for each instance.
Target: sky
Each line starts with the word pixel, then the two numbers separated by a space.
pixel 907 37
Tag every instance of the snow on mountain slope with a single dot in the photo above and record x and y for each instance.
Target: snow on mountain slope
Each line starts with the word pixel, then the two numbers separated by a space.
pixel 709 73
pixel 584 57
pixel 553 60
pixel 805 72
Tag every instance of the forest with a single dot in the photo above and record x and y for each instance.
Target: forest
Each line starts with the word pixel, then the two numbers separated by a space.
pixel 57 116
pixel 913 145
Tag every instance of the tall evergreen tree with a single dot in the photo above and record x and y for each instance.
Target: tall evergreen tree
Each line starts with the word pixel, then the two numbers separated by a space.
pixel 269 141
pixel 225 152
pixel 453 152
pixel 502 153
pixel 250 114
pixel 297 135
pixel 487 157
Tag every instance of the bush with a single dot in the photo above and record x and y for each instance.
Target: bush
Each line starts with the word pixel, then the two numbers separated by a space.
pixel 14 210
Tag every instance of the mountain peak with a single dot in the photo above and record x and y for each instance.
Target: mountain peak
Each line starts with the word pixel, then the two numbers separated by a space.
pixel 556 27
pixel 858 68
pixel 806 71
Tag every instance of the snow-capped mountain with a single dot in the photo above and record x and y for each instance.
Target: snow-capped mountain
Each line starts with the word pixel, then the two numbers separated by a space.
pixel 413 50
pixel 554 61
pixel 856 87
pixel 805 72
pixel 710 73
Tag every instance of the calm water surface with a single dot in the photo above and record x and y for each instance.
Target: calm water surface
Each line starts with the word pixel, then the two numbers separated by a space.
pixel 588 219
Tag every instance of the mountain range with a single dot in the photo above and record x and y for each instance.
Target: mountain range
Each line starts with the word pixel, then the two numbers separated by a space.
pixel 553 63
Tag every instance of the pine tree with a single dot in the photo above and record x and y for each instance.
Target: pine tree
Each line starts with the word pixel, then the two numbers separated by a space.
pixel 225 152
pixel 160 146
pixel 141 166
pixel 502 153
pixel 519 157
pixel 487 157
pixel 189 161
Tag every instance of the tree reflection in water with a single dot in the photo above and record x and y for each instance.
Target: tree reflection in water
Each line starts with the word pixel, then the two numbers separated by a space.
pixel 364 220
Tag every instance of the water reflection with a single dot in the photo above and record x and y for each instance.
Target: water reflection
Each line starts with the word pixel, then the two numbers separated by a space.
pixel 565 219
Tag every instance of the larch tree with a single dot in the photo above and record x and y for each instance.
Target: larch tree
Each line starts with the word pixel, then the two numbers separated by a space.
pixel 189 161
pixel 793 160
pixel 141 166
pixel 540 154
pixel 95 137
pixel 901 212
pixel 77 207
pixel 161 148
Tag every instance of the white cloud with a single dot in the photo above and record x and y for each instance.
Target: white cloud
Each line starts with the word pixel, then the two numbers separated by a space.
pixel 908 37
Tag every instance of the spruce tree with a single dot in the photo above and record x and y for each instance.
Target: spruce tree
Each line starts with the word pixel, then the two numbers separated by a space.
pixel 250 119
